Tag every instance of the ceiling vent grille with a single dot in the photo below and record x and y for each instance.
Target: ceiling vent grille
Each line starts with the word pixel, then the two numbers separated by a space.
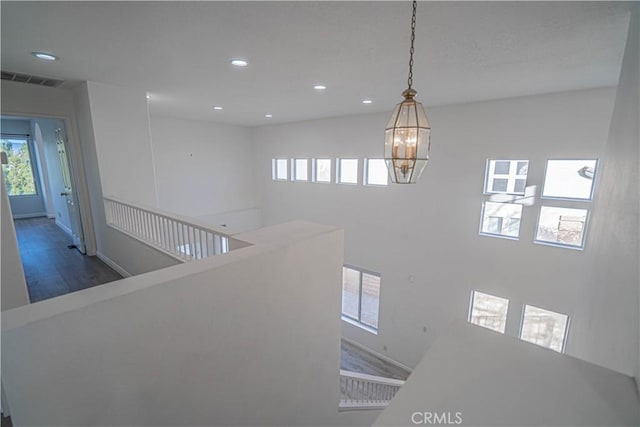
pixel 34 80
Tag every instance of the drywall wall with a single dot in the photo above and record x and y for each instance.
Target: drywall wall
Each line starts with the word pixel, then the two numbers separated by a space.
pixel 615 222
pixel 12 282
pixel 120 121
pixel 235 221
pixel 424 238
pixel 32 101
pixel 202 168
pixel 211 342
pixel 54 173
pixel 43 167
pixel 473 376
pixel 123 253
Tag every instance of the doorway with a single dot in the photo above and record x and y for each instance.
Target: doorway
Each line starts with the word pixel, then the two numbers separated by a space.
pixel 38 175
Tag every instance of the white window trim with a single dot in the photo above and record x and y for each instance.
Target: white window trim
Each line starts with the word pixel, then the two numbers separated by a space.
pixel 565 337
pixel 471 300
pixel 294 166
pixel 511 177
pixel 339 166
pixel 557 244
pixel 499 236
pixel 314 170
pixel 274 169
pixel 571 199
pixel 365 173
pixel 358 322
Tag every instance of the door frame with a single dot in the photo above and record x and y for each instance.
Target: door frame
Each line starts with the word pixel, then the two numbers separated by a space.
pixel 78 173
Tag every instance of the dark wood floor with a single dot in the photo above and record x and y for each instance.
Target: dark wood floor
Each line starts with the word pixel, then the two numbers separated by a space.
pixel 52 269
pixel 354 359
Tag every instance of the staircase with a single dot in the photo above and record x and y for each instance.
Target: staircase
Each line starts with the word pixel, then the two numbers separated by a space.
pixel 361 391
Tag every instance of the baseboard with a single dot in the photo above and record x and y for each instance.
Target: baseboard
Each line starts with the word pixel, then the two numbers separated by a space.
pixel 112 264
pixel 378 355
pixel 29 215
pixel 64 228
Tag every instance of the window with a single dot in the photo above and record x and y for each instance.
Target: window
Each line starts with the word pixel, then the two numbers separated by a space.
pixel 569 179
pixel 501 219
pixel 321 170
pixel 506 176
pixel 300 172
pixel 18 172
pixel 360 297
pixel 544 328
pixel 488 311
pixel 279 169
pixel 347 171
pixel 376 172
pixel 561 226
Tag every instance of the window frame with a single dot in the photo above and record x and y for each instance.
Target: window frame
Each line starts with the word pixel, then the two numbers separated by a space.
pixel 558 244
pixel 500 236
pixel 565 336
pixel 471 301
pixel 35 173
pixel 358 321
pixel 489 176
pixel 314 170
pixel 571 199
pixel 275 169
pixel 365 173
pixel 294 169
pixel 339 170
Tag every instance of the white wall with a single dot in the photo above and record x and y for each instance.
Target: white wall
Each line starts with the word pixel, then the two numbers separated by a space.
pixel 429 231
pixel 493 380
pixel 211 342
pixel 202 168
pixel 235 221
pixel 121 133
pixel 615 223
pixel 14 287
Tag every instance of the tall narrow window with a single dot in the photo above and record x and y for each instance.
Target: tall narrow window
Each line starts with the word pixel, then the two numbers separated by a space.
pixel 280 170
pixel 488 311
pixel 376 172
pixel 321 170
pixel 18 172
pixel 360 297
pixel 301 170
pixel 347 171
pixel 544 327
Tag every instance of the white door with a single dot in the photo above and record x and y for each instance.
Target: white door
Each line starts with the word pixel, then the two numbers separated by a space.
pixel 69 192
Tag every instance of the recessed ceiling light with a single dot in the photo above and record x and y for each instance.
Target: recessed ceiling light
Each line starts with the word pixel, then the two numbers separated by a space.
pixel 367 101
pixel 239 62
pixel 45 56
pixel 268 116
pixel 319 87
pixel 217 107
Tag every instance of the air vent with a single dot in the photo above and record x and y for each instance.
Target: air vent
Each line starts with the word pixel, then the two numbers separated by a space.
pixel 34 80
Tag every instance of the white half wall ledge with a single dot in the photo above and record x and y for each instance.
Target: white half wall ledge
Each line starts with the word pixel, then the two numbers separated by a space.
pixel 484 378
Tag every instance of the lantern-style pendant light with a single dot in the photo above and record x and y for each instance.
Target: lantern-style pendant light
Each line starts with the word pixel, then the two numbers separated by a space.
pixel 407 136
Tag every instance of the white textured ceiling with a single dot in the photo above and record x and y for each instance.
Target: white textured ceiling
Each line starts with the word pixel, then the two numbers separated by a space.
pixel 179 52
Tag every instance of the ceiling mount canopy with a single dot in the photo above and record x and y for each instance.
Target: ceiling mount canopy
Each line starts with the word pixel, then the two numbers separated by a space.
pixel 407 136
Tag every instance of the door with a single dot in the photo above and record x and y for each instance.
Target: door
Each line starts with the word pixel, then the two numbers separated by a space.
pixel 69 191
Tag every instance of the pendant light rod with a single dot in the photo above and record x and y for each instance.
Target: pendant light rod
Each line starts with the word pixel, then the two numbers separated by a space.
pixel 413 38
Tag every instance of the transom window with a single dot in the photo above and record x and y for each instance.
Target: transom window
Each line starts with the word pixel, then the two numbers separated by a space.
pixel 569 179
pixel 544 327
pixel 506 176
pixel 501 219
pixel 321 170
pixel 347 171
pixel 488 311
pixel 280 170
pixel 376 172
pixel 561 226
pixel 360 297
pixel 300 170
pixel 18 172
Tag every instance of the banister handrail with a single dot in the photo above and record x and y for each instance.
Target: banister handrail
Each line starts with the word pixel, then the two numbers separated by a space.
pixel 363 392
pixel 183 219
pixel 185 239
pixel 371 378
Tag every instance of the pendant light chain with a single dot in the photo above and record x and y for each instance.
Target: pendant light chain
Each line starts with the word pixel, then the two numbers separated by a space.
pixel 413 37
